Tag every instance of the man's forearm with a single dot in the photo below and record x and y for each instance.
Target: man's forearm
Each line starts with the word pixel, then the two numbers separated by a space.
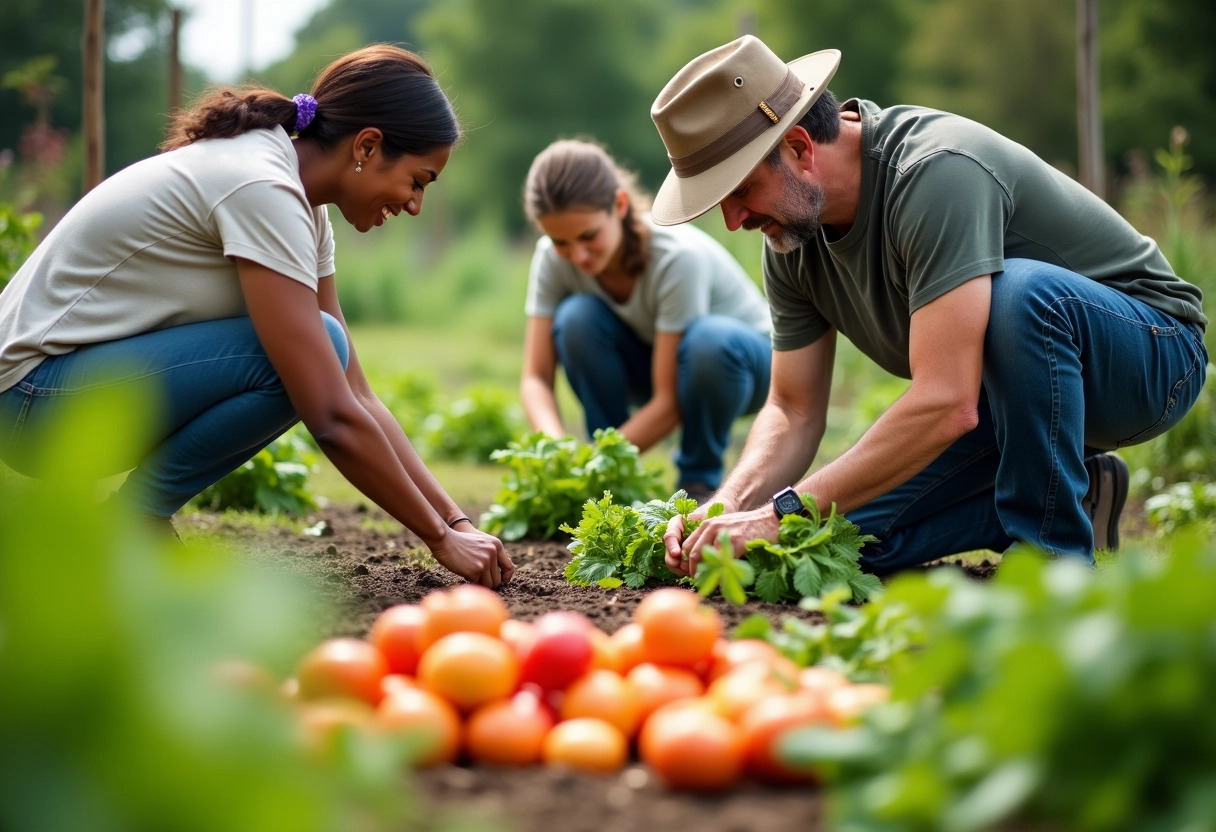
pixel 780 448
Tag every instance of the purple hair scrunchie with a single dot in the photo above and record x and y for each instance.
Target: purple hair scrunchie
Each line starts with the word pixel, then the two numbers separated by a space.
pixel 306 108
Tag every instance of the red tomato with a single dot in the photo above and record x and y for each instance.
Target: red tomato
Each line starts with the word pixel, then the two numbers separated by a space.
pixel 559 651
pixel 508 732
pixel 465 608
pixel 469 669
pixel 397 633
pixel 342 667
pixel 765 723
pixel 677 629
pixel 586 744
pixel 428 720
pixel 691 747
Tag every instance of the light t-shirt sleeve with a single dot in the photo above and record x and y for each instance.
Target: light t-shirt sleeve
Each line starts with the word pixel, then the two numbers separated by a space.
pixel 325 243
pixel 546 288
pixel 682 291
pixel 271 224
pixel 949 215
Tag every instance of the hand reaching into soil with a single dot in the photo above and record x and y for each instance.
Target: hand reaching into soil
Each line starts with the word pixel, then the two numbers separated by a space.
pixel 474 555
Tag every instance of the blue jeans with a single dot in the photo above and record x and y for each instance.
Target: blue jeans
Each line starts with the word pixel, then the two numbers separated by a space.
pixel 1071 368
pixel 722 373
pixel 220 403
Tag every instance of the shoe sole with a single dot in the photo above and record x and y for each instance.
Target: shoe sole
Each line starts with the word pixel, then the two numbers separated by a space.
pixel 1107 473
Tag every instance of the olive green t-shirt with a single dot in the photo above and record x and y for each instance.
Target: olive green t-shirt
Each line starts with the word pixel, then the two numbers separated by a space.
pixel 944 200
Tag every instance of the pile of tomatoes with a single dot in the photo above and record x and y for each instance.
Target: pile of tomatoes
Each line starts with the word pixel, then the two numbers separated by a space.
pixel 466 682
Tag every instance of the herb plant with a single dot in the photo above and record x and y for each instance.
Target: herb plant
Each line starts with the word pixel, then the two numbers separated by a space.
pixel 550 479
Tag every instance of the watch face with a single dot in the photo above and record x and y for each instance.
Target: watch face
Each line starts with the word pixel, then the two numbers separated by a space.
pixel 788 502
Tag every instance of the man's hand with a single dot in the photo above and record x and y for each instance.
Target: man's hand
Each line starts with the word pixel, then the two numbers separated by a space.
pixel 683 554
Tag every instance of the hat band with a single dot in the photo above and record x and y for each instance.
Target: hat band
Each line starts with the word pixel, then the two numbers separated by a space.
pixel 767 113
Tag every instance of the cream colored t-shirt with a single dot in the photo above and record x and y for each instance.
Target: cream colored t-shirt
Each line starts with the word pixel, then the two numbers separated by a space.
pixel 151 247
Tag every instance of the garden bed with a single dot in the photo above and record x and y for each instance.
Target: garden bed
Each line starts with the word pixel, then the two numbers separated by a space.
pixel 361 568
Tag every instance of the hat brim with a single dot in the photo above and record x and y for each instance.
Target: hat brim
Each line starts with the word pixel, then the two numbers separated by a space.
pixel 681 199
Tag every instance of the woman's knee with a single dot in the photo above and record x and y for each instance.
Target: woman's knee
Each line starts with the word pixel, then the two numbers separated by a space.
pixel 337 335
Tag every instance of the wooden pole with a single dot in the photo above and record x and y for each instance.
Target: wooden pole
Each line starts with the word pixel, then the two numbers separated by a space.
pixel 175 61
pixel 1089 116
pixel 94 93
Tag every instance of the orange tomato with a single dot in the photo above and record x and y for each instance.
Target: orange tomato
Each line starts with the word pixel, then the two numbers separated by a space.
pixel 321 725
pixel 736 692
pixel 730 655
pixel 677 629
pixel 820 680
pixel 586 744
pixel 465 608
pixel 845 705
pixel 654 685
pixel 690 747
pixel 766 722
pixel 627 645
pixel 397 633
pixel 342 667
pixel 396 681
pixel 469 669
pixel 605 695
pixel 516 633
pixel 604 652
pixel 429 721
pixel 508 732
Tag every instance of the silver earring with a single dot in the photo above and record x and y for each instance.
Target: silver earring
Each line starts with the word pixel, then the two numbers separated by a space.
pixel 358 167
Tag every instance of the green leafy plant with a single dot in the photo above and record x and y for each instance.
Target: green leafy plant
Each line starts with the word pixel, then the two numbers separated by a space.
pixel 274 481
pixel 1059 695
pixel 617 544
pixel 1184 505
pixel 550 479
pixel 810 554
pixel 479 422
pixel 18 238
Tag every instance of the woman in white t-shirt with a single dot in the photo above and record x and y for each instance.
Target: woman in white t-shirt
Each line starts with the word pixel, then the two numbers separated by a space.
pixel 205 276
pixel 655 327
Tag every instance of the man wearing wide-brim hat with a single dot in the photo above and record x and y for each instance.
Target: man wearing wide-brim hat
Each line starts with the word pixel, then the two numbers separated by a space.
pixel 1038 328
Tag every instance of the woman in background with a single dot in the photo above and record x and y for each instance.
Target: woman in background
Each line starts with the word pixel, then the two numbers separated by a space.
pixel 205 275
pixel 655 327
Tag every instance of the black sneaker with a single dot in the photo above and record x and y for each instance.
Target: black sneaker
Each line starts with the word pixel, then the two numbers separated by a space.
pixel 1103 502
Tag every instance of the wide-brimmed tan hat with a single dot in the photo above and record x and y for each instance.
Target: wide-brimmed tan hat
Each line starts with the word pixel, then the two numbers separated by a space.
pixel 722 114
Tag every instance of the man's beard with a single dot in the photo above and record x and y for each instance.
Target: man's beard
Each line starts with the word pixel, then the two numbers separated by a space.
pixel 800 207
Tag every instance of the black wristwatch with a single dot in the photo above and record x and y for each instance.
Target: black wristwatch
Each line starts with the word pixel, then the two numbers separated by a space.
pixel 787 501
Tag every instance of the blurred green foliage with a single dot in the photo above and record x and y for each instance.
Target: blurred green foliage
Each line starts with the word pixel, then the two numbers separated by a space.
pixel 1055 695
pixel 470 428
pixel 274 481
pixel 114 714
pixel 17 239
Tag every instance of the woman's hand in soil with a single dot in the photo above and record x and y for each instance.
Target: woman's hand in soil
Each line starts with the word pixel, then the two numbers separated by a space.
pixel 683 554
pixel 474 555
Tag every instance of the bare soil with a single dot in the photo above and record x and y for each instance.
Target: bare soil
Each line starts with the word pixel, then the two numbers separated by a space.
pixel 360 569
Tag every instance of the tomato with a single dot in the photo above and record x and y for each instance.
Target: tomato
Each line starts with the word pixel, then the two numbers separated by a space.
pixel 559 651
pixel 586 744
pixel 735 692
pixel 765 723
pixel 677 629
pixel 690 747
pixel 396 681
pixel 820 680
pixel 429 722
pixel 627 646
pixel 730 655
pixel 397 633
pixel 605 695
pixel 321 725
pixel 845 705
pixel 516 633
pixel 654 685
pixel 469 669
pixel 508 732
pixel 604 652
pixel 465 608
pixel 342 667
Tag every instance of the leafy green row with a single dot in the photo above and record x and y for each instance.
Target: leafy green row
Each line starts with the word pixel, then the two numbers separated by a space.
pixel 617 544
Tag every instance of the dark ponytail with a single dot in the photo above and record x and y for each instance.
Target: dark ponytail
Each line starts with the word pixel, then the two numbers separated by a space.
pixel 378 86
